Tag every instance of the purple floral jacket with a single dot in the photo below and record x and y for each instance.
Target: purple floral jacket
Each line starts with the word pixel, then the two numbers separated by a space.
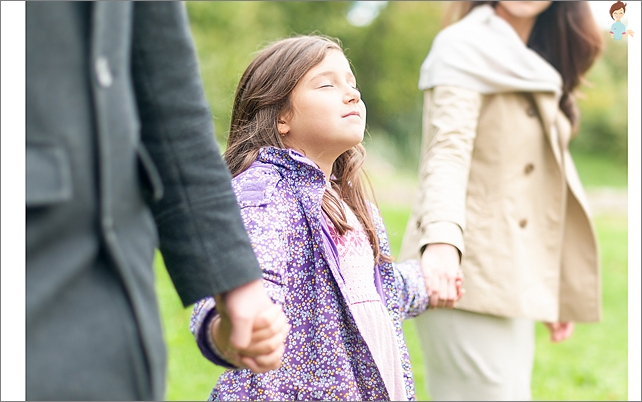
pixel 325 358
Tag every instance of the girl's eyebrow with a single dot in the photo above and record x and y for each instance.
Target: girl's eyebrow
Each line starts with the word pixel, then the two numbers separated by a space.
pixel 330 73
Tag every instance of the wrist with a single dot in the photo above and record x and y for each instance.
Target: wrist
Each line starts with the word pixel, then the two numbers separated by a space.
pixel 214 328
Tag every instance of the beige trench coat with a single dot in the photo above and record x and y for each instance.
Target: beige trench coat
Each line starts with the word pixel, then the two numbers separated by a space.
pixel 497 182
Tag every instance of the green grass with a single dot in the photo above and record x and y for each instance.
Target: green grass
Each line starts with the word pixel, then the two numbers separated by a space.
pixel 592 365
pixel 190 377
pixel 600 171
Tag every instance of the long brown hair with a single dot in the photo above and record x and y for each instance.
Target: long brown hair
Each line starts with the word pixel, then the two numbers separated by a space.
pixel 263 94
pixel 565 34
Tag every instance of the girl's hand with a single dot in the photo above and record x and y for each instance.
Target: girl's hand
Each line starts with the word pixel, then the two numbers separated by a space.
pixel 440 266
pixel 560 331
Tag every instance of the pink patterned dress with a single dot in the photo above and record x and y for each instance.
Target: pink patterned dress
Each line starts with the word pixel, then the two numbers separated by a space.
pixel 357 267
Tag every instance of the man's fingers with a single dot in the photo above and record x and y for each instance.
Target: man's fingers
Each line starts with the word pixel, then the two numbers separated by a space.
pixel 279 328
pixel 273 316
pixel 241 333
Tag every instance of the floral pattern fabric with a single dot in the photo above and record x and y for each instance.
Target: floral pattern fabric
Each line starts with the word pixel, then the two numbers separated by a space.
pixel 326 357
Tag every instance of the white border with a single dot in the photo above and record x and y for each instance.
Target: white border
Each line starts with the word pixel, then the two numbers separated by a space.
pixel 633 14
pixel 12 157
pixel 12 257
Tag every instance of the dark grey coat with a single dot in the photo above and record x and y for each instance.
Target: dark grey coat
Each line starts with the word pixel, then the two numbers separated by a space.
pixel 120 158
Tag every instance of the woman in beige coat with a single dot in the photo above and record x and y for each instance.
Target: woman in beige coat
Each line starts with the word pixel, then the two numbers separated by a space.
pixel 499 195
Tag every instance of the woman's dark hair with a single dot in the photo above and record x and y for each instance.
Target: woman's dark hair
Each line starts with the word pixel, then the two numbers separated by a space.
pixel 263 94
pixel 566 35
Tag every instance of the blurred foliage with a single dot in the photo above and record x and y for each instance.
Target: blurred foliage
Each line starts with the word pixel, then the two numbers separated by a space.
pixel 386 56
pixel 603 103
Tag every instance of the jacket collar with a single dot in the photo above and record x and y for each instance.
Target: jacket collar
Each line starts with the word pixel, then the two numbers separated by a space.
pixel 305 179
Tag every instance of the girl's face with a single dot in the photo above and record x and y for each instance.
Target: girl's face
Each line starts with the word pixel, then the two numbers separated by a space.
pixel 328 116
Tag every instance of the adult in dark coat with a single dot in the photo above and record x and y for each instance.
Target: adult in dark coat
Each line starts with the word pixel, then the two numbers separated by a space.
pixel 120 159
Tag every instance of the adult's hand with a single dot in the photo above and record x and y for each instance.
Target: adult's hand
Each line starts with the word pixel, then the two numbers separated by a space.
pixel 560 331
pixel 251 329
pixel 440 266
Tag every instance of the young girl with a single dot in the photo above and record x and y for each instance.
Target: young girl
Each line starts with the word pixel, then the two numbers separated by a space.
pixel 295 153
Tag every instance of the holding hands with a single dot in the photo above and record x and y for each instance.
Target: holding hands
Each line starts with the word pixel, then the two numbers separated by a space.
pixel 250 329
pixel 444 279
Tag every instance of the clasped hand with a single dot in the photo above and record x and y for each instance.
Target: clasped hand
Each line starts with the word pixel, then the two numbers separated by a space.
pixel 250 330
pixel 443 277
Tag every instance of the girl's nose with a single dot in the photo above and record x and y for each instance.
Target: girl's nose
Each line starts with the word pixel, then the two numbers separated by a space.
pixel 353 95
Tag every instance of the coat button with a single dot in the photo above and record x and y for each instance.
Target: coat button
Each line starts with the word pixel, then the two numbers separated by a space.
pixel 522 223
pixel 103 73
pixel 531 112
pixel 529 168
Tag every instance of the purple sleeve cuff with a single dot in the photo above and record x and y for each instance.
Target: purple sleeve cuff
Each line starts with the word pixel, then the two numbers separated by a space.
pixel 202 343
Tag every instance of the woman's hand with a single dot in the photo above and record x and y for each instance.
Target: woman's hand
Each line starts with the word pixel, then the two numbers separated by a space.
pixel 560 331
pixel 444 279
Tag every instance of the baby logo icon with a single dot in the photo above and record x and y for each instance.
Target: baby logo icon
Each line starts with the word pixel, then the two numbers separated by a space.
pixel 618 30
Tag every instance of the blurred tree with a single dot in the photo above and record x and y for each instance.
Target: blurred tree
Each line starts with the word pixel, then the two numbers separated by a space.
pixel 387 60
pixel 603 102
pixel 386 54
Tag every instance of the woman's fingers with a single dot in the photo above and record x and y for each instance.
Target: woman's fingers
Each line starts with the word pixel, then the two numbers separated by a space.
pixel 443 289
pixel 440 266
pixel 560 331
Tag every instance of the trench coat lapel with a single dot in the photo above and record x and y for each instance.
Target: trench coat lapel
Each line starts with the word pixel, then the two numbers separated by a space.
pixel 547 105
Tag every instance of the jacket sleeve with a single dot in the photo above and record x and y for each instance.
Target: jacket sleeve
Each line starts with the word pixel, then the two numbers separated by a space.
pixel 410 286
pixel 202 239
pixel 267 228
pixel 202 315
pixel 449 130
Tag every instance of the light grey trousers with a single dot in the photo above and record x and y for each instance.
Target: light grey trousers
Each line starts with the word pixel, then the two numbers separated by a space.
pixel 470 356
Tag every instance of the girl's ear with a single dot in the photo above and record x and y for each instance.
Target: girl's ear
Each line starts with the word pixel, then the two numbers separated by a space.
pixel 283 126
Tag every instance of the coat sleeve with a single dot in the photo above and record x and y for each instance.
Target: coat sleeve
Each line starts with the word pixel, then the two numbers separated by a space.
pixel 202 239
pixel 449 131
pixel 266 223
